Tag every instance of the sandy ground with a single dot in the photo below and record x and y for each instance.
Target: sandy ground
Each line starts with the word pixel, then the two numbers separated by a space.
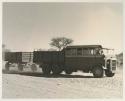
pixel 78 85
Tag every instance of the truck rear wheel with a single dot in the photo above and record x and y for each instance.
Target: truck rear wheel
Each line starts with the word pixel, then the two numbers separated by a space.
pixel 109 73
pixel 98 72
pixel 68 71
pixel 46 69
pixel 56 69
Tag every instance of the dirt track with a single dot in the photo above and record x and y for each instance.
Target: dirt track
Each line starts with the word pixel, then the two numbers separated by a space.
pixel 78 85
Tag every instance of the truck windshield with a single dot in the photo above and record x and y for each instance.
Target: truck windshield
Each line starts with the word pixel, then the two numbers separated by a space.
pixel 99 51
pixel 113 63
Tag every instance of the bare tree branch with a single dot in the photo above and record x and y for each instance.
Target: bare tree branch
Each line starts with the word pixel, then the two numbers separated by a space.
pixel 60 42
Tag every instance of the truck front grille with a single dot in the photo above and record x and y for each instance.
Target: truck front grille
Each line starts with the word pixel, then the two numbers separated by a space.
pixel 113 64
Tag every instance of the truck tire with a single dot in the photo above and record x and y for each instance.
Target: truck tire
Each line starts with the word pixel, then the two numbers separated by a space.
pixel 46 69
pixel 56 69
pixel 68 71
pixel 7 66
pixel 109 73
pixel 20 67
pixel 98 72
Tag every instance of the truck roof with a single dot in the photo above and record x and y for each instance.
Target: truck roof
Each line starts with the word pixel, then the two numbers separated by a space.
pixel 84 46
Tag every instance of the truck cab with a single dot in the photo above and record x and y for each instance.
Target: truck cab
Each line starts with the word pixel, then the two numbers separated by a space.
pixel 89 59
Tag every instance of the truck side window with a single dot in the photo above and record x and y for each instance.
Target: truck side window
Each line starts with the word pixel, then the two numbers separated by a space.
pixel 73 52
pixel 89 51
pixel 68 52
pixel 97 51
pixel 85 51
pixel 79 51
pixel 92 52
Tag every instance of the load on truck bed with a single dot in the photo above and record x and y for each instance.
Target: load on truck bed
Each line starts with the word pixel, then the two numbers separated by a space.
pixel 48 57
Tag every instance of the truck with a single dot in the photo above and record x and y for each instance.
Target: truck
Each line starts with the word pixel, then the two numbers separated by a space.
pixel 86 58
pixel 21 59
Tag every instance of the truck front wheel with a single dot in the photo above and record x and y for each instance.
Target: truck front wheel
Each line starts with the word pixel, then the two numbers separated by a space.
pixel 98 72
pixel 109 73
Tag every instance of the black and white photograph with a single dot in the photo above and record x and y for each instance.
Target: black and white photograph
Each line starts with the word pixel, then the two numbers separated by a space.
pixel 62 50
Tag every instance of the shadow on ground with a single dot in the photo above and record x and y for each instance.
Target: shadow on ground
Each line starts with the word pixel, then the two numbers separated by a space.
pixel 39 74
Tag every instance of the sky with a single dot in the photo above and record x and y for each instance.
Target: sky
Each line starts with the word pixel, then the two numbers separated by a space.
pixel 29 26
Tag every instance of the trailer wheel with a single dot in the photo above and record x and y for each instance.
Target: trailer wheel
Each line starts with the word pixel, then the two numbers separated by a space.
pixel 109 73
pixel 20 67
pixel 46 69
pixel 98 72
pixel 33 67
pixel 68 71
pixel 56 69
pixel 7 66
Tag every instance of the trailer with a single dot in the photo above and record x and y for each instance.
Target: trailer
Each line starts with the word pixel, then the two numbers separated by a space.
pixel 19 58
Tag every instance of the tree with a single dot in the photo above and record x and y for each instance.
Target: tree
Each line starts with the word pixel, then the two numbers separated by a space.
pixel 60 42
